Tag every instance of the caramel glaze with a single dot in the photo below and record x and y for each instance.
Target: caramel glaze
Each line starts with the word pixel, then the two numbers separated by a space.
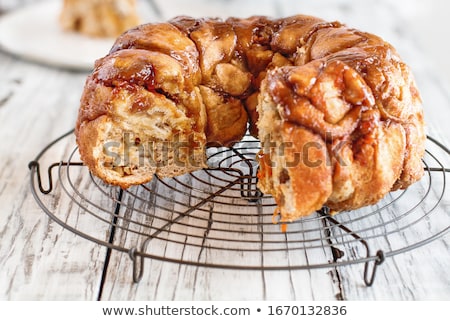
pixel 323 76
pixel 201 45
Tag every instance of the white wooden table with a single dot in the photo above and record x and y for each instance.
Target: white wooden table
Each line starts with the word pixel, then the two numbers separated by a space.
pixel 39 260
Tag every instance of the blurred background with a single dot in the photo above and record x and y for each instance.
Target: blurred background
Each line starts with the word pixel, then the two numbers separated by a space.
pixel 417 28
pixel 424 20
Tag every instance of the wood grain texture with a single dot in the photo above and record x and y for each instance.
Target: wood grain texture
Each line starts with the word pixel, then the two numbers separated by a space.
pixel 40 260
pixel 170 281
pixel 37 256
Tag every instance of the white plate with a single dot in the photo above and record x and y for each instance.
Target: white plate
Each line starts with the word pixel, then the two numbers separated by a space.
pixel 33 32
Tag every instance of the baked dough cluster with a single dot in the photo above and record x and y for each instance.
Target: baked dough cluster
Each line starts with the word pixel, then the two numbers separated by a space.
pixel 99 18
pixel 336 110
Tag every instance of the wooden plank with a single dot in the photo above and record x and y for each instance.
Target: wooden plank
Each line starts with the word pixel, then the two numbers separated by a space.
pixel 38 259
pixel 223 230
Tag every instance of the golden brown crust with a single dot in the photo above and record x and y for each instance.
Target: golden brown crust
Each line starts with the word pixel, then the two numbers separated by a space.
pixel 309 173
pixel 299 81
pixel 352 89
pixel 230 118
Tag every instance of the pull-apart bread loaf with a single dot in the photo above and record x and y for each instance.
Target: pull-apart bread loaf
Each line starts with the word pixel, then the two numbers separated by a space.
pixel 336 110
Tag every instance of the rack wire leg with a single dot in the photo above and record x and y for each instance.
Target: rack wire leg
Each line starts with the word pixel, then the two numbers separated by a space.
pixel 138 262
pixel 368 278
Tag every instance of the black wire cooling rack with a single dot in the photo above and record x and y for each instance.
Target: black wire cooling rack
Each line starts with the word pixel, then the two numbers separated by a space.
pixel 217 218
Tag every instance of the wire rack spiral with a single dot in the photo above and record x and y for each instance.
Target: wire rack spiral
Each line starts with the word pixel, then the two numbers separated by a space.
pixel 217 217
